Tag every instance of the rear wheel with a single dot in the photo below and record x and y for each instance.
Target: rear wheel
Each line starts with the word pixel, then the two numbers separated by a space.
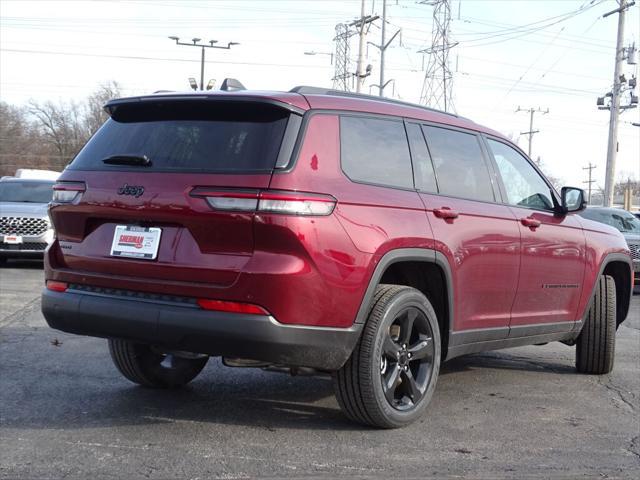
pixel 595 347
pixel 389 379
pixel 147 366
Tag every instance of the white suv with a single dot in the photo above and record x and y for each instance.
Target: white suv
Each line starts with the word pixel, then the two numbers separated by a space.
pixel 25 229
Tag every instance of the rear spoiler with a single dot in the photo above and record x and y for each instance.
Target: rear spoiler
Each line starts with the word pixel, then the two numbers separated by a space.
pixel 202 96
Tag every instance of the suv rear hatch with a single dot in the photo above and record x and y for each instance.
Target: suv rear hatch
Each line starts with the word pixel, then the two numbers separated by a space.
pixel 172 173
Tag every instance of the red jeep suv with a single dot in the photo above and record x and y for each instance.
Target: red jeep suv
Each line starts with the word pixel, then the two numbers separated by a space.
pixel 315 229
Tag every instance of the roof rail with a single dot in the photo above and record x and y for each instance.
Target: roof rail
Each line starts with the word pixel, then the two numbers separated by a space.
pixel 303 89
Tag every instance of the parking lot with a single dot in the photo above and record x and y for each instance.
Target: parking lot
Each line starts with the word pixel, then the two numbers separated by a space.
pixel 65 412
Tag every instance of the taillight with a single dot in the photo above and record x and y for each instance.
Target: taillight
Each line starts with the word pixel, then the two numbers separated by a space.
pixel 68 192
pixel 296 203
pixel 57 286
pixel 267 201
pixel 231 307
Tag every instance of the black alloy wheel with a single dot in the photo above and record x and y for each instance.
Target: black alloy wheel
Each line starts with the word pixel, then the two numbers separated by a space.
pixel 390 377
pixel 406 363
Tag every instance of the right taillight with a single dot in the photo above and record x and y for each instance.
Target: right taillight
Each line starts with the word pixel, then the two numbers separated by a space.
pixel 68 192
pixel 267 201
pixel 296 203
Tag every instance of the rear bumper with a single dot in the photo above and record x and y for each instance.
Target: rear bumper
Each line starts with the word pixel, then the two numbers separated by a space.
pixel 189 328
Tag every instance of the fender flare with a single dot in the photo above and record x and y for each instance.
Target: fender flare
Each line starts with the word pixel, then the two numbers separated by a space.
pixel 426 255
pixel 608 258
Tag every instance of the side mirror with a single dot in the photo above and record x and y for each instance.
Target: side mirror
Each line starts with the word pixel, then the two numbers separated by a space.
pixel 573 199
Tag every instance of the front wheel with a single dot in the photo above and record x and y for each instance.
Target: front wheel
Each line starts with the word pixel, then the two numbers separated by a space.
pixel 596 344
pixel 390 377
pixel 150 367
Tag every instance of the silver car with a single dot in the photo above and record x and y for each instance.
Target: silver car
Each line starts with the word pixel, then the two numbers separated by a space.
pixel 627 223
pixel 25 230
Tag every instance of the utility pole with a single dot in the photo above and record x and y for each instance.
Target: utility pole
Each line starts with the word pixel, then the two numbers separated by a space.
pixel 614 108
pixel 590 181
pixel 531 130
pixel 203 46
pixel 383 48
pixel 361 24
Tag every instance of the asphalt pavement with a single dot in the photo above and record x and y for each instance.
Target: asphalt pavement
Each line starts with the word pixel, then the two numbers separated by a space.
pixel 65 412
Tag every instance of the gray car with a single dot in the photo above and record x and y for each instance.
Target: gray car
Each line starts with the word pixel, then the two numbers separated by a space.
pixel 25 230
pixel 627 223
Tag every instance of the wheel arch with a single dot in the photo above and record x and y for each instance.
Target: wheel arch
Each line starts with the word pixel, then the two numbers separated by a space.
pixel 618 266
pixel 623 278
pixel 423 269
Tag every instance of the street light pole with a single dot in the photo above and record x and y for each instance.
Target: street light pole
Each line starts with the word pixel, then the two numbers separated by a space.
pixel 194 43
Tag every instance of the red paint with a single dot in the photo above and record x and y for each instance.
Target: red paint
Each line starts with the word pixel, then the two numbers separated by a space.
pixel 314 270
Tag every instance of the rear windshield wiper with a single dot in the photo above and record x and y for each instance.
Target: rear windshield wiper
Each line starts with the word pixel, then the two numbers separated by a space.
pixel 136 160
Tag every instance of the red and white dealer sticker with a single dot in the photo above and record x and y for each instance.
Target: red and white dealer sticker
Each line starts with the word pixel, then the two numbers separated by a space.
pixel 13 239
pixel 136 242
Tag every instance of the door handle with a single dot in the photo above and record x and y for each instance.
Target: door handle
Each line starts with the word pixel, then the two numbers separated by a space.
pixel 532 223
pixel 446 213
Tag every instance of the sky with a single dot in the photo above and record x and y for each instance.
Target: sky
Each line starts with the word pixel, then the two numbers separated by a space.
pixel 509 54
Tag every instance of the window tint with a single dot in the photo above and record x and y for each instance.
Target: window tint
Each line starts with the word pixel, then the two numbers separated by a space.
pixel 422 166
pixel 460 168
pixel 524 186
pixel 375 151
pixel 189 137
pixel 33 192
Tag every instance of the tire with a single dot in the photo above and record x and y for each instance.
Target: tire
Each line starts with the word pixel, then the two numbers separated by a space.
pixel 390 377
pixel 595 346
pixel 143 364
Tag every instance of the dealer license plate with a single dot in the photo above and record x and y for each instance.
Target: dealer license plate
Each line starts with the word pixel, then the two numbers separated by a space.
pixel 136 242
pixel 13 239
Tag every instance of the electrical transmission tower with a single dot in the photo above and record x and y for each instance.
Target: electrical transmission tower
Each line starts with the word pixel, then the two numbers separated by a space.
pixel 342 75
pixel 438 80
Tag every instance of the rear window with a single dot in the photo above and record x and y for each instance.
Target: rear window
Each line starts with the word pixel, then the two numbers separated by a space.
pixel 189 137
pixel 31 192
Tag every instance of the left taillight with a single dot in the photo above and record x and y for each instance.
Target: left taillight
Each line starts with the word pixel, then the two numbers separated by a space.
pixel 267 201
pixel 68 192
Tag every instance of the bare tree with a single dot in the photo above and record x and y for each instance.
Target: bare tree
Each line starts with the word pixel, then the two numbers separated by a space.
pixel 61 125
pixel 94 113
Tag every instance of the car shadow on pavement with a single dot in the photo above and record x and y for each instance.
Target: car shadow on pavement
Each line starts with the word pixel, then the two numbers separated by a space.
pixel 73 385
pixel 505 361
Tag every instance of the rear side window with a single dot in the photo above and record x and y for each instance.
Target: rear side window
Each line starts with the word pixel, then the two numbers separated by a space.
pixel 459 164
pixel 189 137
pixel 375 151
pixel 422 166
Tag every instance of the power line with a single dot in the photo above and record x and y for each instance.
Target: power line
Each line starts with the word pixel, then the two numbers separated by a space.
pixel 162 59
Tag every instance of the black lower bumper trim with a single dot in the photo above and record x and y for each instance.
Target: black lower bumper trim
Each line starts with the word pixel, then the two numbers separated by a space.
pixel 191 329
